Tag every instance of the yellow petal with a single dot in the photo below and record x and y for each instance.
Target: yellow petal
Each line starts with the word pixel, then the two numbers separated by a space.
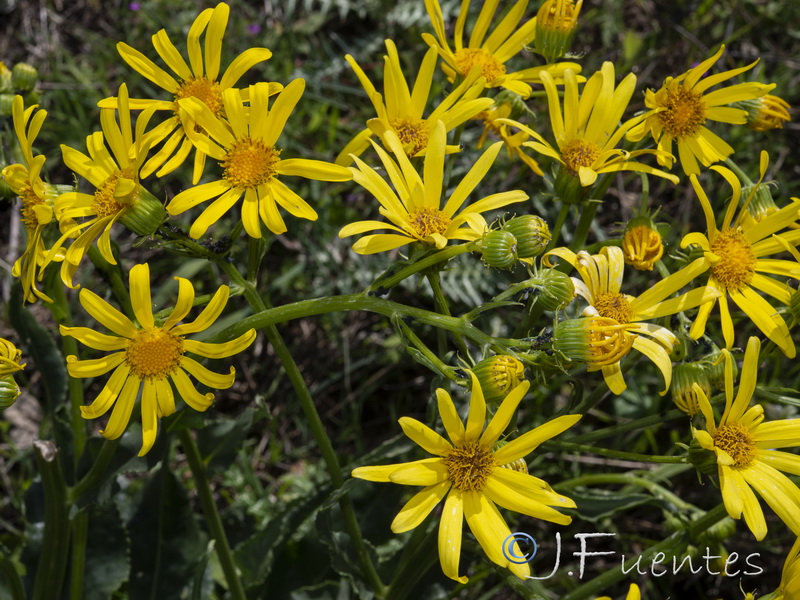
pixel 223 349
pixel 217 381
pixel 450 531
pixel 526 443
pixel 419 507
pixel 122 409
pixel 428 471
pixel 425 437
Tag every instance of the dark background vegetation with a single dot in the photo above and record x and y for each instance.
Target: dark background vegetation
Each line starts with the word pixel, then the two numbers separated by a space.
pixel 356 365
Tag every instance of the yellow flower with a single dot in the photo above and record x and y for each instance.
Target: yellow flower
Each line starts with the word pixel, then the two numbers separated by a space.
pixel 789 588
pixel 118 195
pixel 36 196
pixel 474 478
pixel 642 244
pixel 681 109
pixel 246 151
pixel 600 283
pixel 767 112
pixel 513 141
pixel 588 130
pixel 742 443
pixel 401 110
pixel 414 208
pixel 10 357
pixel 556 22
pixel 489 53
pixel 736 256
pixel 199 79
pixel 148 355
pixel 633 594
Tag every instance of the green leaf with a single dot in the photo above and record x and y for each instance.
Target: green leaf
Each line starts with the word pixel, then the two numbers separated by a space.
pixel 107 553
pixel 166 542
pixel 342 551
pixel 219 441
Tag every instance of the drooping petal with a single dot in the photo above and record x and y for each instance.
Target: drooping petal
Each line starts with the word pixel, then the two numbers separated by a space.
pixel 420 506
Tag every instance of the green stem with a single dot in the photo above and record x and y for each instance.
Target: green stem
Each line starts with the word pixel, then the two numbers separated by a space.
pixel 384 283
pixel 80 526
pixel 626 479
pixel 442 307
pixel 52 565
pixel 615 430
pixel 94 476
pixel 562 216
pixel 632 456
pixel 443 368
pixel 211 513
pixel 315 423
pixel 420 554
pixel 645 194
pixel 584 225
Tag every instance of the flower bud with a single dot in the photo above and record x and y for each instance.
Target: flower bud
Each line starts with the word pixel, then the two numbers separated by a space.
pixel 555 27
pixel 5 79
pixel 499 249
pixel 766 112
pixel 6 102
pixel 641 243
pixel 24 77
pixel 596 341
pixel 532 235
pixel 554 290
pixel 518 465
pixel 714 364
pixel 9 391
pixel 683 393
pixel 145 215
pixel 498 375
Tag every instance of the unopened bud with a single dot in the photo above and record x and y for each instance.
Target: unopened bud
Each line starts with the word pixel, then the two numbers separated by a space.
pixel 556 22
pixel 9 391
pixel 499 249
pixel 683 392
pixel 532 235
pixel 145 215
pixel 766 112
pixel 24 77
pixel 641 243
pixel 596 341
pixel 498 375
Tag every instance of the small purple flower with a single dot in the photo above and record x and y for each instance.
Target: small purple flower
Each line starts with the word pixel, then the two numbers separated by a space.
pixel 134 6
pixel 254 28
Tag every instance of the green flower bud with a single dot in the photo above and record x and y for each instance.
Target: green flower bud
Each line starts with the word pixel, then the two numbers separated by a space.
pixel 5 79
pixel 683 393
pixel 9 391
pixel 703 460
pixel 499 249
pixel 532 235
pixel 24 77
pixel 766 112
pixel 596 341
pixel 556 22
pixel 553 289
pixel 6 101
pixel 145 215
pixel 498 375
pixel 30 98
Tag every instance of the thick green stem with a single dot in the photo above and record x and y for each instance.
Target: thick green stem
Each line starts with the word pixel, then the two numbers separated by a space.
pixel 584 225
pixel 632 456
pixel 9 571
pixel 316 425
pixel 55 541
pixel 562 216
pixel 615 430
pixel 94 477
pixel 386 282
pixel 222 547
pixel 442 307
pixel 626 479
pixel 80 526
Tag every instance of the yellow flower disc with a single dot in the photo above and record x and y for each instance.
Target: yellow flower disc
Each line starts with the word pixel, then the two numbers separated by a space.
pixel 154 353
pixel 469 466
pixel 579 153
pixel 736 441
pixel 205 90
pixel 737 262
pixel 413 133
pixel 106 202
pixel 29 200
pixel 615 306
pixel 491 68
pixel 250 163
pixel 684 113
pixel 427 221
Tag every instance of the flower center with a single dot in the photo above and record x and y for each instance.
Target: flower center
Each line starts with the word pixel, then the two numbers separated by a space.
pixel 614 306
pixel 469 465
pixel 29 200
pixel 203 89
pixel 154 353
pixel 250 163
pixel 427 221
pixel 491 68
pixel 736 441
pixel 642 247
pixel 413 134
pixel 737 263
pixel 106 200
pixel 683 114
pixel 608 342
pixel 579 153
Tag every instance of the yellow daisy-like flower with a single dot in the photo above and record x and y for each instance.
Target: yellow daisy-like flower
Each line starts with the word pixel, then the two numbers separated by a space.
pixel 149 355
pixel 401 110
pixel 736 254
pixel 743 444
pixel 767 112
pixel 118 195
pixel 789 588
pixel 414 207
pixel 474 477
pixel 490 53
pixel 633 594
pixel 37 197
pixel 513 141
pixel 600 283
pixel 587 131
pixel 199 79
pixel 245 148
pixel 10 357
pixel 681 109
